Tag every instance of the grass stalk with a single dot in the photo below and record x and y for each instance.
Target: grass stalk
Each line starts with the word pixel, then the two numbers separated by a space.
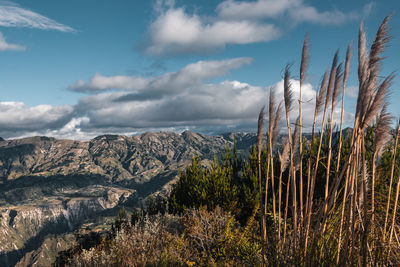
pixel 391 178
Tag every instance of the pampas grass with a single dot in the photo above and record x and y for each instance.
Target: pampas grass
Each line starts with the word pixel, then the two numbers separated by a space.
pixel 260 132
pixel 343 229
pixel 303 67
pixel 288 98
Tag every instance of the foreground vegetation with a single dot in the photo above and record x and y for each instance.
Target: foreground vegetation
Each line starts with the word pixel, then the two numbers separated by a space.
pixel 330 200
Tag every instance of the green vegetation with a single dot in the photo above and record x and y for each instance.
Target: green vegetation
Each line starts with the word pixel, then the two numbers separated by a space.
pixel 330 200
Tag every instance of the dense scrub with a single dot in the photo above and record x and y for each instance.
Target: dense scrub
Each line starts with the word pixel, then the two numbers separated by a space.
pixel 197 237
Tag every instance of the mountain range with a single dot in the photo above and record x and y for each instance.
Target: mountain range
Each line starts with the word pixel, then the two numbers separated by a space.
pixel 50 188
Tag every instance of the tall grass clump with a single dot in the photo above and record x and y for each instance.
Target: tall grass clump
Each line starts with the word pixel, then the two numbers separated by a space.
pixel 342 211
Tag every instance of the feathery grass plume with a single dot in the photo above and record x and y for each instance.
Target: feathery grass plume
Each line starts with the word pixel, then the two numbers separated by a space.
pixel 347 64
pixel 304 59
pixel 287 90
pixel 345 77
pixel 303 68
pixel 319 100
pixel 363 56
pixel 288 97
pixel 370 82
pixel 363 71
pixel 331 82
pixel 296 140
pixel 271 109
pixel 260 128
pixel 335 95
pixel 259 149
pixel 269 145
pixel 382 132
pixel 275 128
pixel 377 101
pixel 336 89
pixel 382 37
pixel 284 156
pixel 272 135
pixel 396 142
pixel 321 94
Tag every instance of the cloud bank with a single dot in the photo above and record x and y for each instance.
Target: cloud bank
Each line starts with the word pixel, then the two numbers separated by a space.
pixel 188 101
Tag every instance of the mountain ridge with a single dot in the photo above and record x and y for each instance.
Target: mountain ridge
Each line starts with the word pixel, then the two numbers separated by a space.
pixel 50 187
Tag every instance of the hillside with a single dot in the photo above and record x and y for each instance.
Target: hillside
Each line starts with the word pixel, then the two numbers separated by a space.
pixel 50 187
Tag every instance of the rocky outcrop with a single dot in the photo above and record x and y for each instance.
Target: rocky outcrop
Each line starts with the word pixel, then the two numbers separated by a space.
pixel 24 227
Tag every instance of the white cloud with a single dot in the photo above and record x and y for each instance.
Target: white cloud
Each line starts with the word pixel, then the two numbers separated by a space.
pixel 4 46
pixel 12 15
pixel 312 15
pixel 297 11
pixel 175 31
pixel 18 117
pixel 100 83
pixel 255 9
pixel 167 83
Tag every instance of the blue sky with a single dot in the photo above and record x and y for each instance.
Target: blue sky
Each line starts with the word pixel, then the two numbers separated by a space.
pixel 77 69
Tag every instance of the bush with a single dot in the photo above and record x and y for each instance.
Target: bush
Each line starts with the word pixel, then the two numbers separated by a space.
pixel 199 237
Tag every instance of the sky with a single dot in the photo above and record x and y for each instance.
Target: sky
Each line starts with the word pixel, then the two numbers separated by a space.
pixel 78 69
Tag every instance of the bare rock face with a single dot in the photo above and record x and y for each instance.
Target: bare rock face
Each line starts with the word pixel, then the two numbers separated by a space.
pixel 24 226
pixel 115 157
pixel 50 187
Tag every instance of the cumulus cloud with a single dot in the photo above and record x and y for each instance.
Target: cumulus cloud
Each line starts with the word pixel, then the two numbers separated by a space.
pixel 17 117
pixel 175 31
pixel 12 15
pixel 168 83
pixel 4 46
